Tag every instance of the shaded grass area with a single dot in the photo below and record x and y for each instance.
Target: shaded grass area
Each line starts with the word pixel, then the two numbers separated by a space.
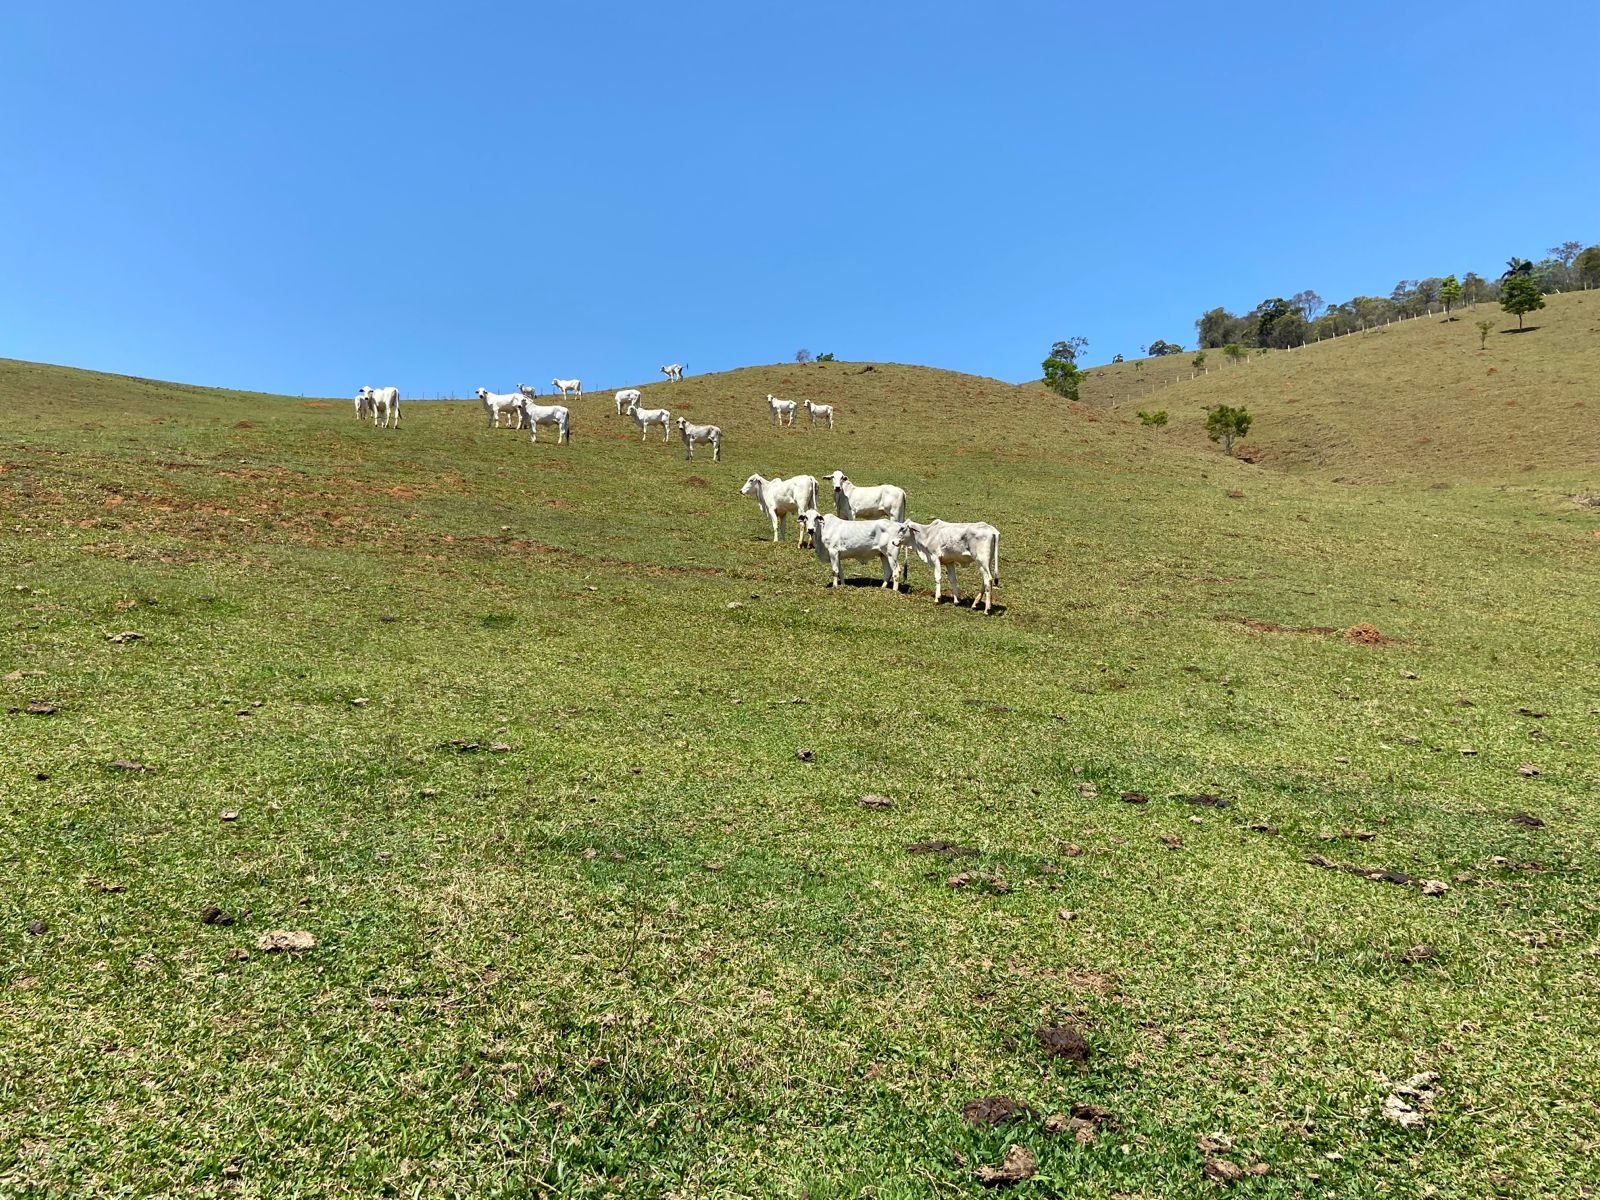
pixel 646 948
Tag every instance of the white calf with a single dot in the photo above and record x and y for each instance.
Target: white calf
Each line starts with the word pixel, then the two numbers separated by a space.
pixel 646 417
pixel 953 544
pixel 496 403
pixel 626 397
pixel 780 497
pixel 673 372
pixel 780 409
pixel 569 387
pixel 546 414
pixel 824 411
pixel 385 400
pixel 836 541
pixel 700 433
pixel 858 503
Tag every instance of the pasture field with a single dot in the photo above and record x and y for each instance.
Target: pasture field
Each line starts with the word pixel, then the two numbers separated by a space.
pixel 1417 400
pixel 515 732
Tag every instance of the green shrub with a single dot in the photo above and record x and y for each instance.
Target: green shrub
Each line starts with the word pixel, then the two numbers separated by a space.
pixel 1156 419
pixel 1062 377
pixel 1224 423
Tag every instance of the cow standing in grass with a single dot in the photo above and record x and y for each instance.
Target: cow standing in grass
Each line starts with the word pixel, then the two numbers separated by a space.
pixel 384 400
pixel 780 497
pixel 497 404
pixel 700 433
pixel 953 544
pixel 646 417
pixel 837 541
pixel 535 415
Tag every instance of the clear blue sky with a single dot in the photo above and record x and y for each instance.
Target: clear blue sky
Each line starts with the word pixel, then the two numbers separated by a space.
pixel 308 197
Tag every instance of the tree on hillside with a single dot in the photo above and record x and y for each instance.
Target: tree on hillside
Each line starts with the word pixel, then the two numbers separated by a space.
pixel 1224 423
pixel 1449 293
pixel 1474 288
pixel 1587 267
pixel 1199 361
pixel 1234 351
pixel 1159 348
pixel 1289 330
pixel 1484 328
pixel 822 358
pixel 1068 350
pixel 1519 295
pixel 1565 254
pixel 1268 314
pixel 1371 309
pixel 1517 266
pixel 1411 297
pixel 1062 376
pixel 1308 302
pixel 802 356
pixel 1116 358
pixel 1551 275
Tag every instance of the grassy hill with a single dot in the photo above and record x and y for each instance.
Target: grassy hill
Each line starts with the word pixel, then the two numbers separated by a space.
pixel 1416 400
pixel 561 763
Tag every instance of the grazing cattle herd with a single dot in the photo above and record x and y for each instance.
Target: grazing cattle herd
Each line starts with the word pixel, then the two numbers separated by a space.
pixel 867 522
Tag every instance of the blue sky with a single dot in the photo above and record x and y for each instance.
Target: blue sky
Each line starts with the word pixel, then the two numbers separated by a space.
pixel 308 197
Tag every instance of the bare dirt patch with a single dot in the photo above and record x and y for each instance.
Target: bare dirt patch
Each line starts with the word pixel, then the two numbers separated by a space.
pixel 996 1110
pixel 1064 1041
pixel 941 847
pixel 1367 635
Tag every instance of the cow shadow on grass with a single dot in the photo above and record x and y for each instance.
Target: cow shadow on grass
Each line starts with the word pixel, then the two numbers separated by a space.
pixel 906 593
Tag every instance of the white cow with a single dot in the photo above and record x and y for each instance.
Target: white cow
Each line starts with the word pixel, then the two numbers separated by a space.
pixel 496 403
pixel 836 541
pixel 673 372
pixel 700 433
pixel 626 397
pixel 546 414
pixel 646 417
pixel 375 400
pixel 780 497
pixel 780 409
pixel 954 544
pixel 858 503
pixel 569 387
pixel 825 411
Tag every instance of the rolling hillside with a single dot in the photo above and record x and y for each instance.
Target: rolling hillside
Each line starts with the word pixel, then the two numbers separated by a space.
pixel 562 765
pixel 1417 400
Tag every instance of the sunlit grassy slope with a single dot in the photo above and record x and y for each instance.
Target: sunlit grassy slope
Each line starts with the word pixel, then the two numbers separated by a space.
pixel 1415 400
pixel 514 731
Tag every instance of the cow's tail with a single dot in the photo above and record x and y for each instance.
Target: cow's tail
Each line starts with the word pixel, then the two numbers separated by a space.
pixel 994 558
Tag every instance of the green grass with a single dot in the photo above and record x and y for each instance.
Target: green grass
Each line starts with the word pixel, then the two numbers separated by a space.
pixel 649 951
